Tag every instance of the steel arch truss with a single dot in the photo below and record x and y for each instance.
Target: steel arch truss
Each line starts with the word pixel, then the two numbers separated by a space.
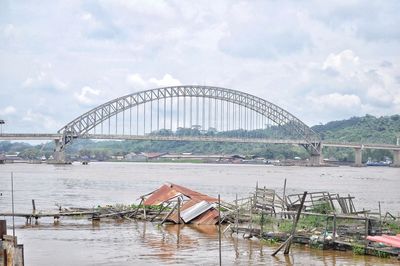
pixel 83 124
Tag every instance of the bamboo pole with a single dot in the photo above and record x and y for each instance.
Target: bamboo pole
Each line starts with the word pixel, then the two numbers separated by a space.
pixel 281 246
pixel 33 206
pixel 171 211
pixel 284 198
pixel 219 229
pixel 334 227
pixel 287 248
pixel 179 210
pixel 380 217
pixel 137 209
pixel 12 203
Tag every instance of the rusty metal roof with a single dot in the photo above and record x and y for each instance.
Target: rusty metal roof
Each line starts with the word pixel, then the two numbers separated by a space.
pixel 169 191
pixel 208 217
pixel 196 208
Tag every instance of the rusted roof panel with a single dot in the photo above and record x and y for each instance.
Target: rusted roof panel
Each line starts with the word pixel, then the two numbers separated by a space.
pixel 194 195
pixel 168 191
pixel 199 215
pixel 163 194
pixel 208 217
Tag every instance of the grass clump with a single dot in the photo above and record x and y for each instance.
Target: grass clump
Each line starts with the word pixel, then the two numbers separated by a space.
pixel 323 207
pixel 358 249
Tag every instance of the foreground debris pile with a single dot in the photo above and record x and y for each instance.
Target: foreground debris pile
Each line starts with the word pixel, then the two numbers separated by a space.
pixel 326 221
pixel 322 220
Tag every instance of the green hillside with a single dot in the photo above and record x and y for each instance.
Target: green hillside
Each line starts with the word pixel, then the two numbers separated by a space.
pixel 366 129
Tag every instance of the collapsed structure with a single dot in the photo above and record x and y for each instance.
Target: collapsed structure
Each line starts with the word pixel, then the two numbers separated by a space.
pixel 188 206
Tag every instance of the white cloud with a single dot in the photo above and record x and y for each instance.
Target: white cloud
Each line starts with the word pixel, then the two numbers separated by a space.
pixel 137 82
pixel 44 79
pixel 38 119
pixel 337 101
pixel 8 110
pixel 86 95
pixel 9 31
pixel 345 62
pixel 166 81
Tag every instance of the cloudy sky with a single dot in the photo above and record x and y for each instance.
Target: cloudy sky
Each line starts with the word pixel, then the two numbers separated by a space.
pixel 320 61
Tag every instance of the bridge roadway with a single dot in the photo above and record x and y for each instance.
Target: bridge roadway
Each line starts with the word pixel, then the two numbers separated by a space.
pixel 49 136
pixel 52 136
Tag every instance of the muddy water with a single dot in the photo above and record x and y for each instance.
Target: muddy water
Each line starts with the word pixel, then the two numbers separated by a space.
pixel 137 243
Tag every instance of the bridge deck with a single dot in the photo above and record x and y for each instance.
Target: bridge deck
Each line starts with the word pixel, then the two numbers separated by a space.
pixel 51 136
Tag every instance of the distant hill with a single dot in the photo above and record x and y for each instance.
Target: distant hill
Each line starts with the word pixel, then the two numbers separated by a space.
pixel 371 129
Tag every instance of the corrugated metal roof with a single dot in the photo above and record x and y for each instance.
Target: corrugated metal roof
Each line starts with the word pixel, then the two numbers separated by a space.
pixel 169 191
pixel 195 210
pixel 393 241
pixel 208 217
pixel 163 194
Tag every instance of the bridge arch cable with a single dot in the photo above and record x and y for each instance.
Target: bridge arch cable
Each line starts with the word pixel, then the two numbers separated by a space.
pixel 219 98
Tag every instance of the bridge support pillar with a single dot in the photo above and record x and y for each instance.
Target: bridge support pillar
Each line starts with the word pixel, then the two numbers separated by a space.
pixel 358 157
pixel 315 160
pixel 396 158
pixel 58 154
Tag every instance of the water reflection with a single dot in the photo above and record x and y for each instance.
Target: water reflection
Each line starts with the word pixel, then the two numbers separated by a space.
pixel 137 243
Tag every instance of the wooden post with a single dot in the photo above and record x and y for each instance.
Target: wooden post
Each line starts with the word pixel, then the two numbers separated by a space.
pixel 380 217
pixel 137 209
pixel 12 204
pixel 144 211
pixel 284 198
pixel 159 212
pixel 237 216
pixel 326 231
pixel 179 210
pixel 251 215
pixel 366 231
pixel 334 227
pixel 33 207
pixel 170 212
pixel 287 248
pixel 3 228
pixel 219 229
pixel 281 246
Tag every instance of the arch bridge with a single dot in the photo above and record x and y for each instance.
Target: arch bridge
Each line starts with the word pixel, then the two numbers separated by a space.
pixel 191 113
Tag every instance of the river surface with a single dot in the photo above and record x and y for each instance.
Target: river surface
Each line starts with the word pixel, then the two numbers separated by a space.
pixel 79 242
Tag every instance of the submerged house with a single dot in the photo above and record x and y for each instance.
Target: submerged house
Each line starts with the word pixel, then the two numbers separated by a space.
pixel 189 206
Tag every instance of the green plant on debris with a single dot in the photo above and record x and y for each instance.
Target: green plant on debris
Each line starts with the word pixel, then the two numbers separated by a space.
pixel 323 207
pixel 381 254
pixel 306 222
pixel 358 249
pixel 393 226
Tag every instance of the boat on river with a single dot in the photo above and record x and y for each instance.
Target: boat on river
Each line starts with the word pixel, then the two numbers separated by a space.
pixel 381 163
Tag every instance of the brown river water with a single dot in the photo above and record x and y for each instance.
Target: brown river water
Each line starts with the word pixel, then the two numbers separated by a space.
pixel 78 242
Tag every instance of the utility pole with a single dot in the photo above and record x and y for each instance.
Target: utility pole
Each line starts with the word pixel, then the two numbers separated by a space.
pixel 2 122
